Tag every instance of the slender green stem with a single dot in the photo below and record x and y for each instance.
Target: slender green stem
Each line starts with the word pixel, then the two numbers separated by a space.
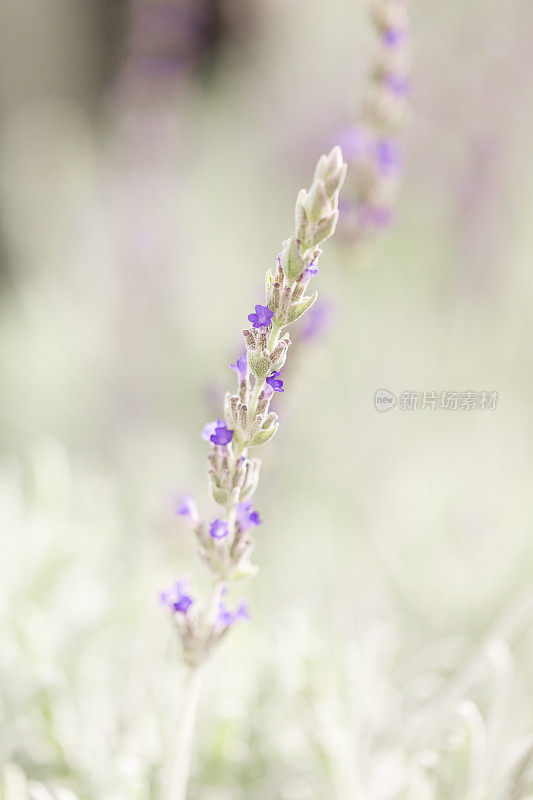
pixel 185 735
pixel 189 709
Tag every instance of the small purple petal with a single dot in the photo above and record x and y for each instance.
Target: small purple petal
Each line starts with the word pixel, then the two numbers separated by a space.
pixel 262 318
pixel 247 517
pixel 209 429
pixel 183 604
pixel 218 529
pixel 242 611
pixel 274 382
pixel 178 598
pixel 398 84
pixel 187 507
pixel 226 618
pixel 241 367
pixel 393 38
pixel 387 156
pixel 222 435
pixel 311 270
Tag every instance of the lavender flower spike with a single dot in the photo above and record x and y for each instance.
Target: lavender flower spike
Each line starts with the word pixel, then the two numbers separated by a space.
pixel 226 545
pixel 373 145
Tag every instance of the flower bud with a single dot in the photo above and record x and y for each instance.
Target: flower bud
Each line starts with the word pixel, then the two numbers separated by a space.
pixel 264 435
pixel 291 260
pixel 249 338
pixel 318 204
pixel 300 216
pixel 251 480
pixel 220 495
pixel 279 354
pixel 325 228
pixel 321 169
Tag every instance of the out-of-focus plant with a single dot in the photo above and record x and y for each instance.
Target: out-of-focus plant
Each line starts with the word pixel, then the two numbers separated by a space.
pixel 372 146
pixel 225 544
pixel 326 716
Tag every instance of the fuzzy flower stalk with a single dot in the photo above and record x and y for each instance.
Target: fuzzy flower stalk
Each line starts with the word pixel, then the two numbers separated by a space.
pixel 372 148
pixel 225 542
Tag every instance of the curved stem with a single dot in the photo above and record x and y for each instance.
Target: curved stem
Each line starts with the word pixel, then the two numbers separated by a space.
pixel 185 735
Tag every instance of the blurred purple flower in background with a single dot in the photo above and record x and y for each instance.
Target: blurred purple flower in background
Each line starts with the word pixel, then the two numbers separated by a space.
pixel 227 618
pixel 317 321
pixel 177 598
pixel 218 529
pixel 387 156
pixel 372 147
pixel 247 516
pixel 186 507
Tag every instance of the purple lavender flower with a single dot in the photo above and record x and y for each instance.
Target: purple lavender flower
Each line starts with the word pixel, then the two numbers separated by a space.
pixel 318 319
pixel 353 142
pixel 177 598
pixel 398 84
pixel 226 618
pixel 387 156
pixel 311 270
pixel 187 507
pixel 210 427
pixel 274 382
pixel 241 367
pixel 217 432
pixel 222 435
pixel 393 37
pixel 375 216
pixel 247 517
pixel 262 318
pixel 218 529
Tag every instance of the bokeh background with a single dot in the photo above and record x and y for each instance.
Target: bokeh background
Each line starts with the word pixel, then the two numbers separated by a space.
pixel 150 155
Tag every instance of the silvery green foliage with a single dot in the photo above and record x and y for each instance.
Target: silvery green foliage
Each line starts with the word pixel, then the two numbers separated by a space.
pixel 376 724
pixel 14 785
pixel 225 545
pixel 88 697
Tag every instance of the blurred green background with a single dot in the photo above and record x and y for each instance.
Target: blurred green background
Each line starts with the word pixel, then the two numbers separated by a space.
pixel 150 155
